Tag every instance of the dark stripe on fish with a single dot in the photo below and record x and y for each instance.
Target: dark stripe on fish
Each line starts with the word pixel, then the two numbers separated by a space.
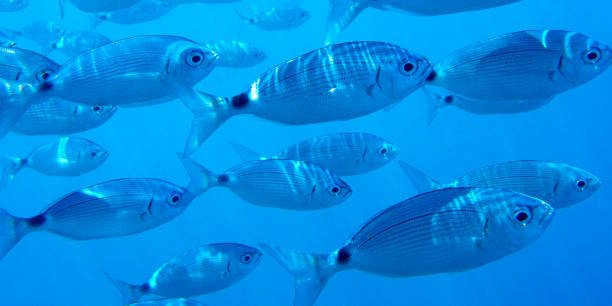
pixel 37 221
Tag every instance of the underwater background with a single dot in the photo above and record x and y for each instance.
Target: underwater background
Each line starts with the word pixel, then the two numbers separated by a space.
pixel 569 265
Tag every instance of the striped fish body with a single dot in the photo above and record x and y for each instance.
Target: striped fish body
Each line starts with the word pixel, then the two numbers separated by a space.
pixel 100 6
pixel 61 117
pixel 344 153
pixel 558 184
pixel 337 82
pixel 527 65
pixel 440 7
pixel 67 156
pixel 204 270
pixel 446 230
pixel 112 209
pixel 286 184
pixel 132 70
pixel 24 65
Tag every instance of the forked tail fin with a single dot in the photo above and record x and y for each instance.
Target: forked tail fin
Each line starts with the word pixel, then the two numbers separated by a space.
pixel 11 231
pixel 421 181
pixel 129 293
pixel 202 179
pixel 9 166
pixel 341 14
pixel 311 272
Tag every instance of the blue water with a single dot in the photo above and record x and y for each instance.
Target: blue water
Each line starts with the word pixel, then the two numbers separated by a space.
pixel 569 265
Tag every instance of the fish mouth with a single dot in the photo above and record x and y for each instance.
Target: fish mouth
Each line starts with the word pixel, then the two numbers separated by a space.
pixel 547 215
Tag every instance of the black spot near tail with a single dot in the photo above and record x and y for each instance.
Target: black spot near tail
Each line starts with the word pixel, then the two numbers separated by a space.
pixel 449 99
pixel 36 221
pixel 240 101
pixel 145 287
pixel 432 76
pixel 343 255
pixel 45 86
pixel 223 178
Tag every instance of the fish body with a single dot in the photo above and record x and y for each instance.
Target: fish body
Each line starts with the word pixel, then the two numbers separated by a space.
pixel 286 184
pixel 202 270
pixel 131 71
pixel 13 5
pixel 447 230
pixel 143 11
pixel 61 117
pixel 518 71
pixel 337 82
pixel 178 2
pixel 341 153
pixel 277 18
pixel 343 12
pixel 97 6
pixel 67 156
pixel 560 185
pixel 110 209
pixel 168 302
pixel 75 43
pixel 236 54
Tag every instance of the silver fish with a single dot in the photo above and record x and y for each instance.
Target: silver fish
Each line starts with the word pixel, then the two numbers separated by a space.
pixel 13 5
pixel 44 33
pixel 285 184
pixel 236 54
pixel 169 302
pixel 516 72
pixel 142 69
pixel 337 82
pixel 110 209
pixel 560 185
pixel 75 43
pixel 447 230
pixel 343 12
pixel 202 270
pixel 60 117
pixel 143 11
pixel 97 6
pixel 277 18
pixel 341 153
pixel 178 2
pixel 66 156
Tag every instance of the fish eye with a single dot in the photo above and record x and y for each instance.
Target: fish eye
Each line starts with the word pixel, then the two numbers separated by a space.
pixel 195 58
pixel 174 198
pixel 581 184
pixel 93 154
pixel 409 67
pixel 592 56
pixel 334 190
pixel 43 75
pixel 383 151
pixel 523 216
pixel 246 258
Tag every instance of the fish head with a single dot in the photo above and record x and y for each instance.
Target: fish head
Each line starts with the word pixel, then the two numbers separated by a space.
pixel 241 259
pixel 170 199
pixel 188 62
pixel 574 185
pixel 378 152
pixel 403 73
pixel 331 190
pixel 91 154
pixel 257 55
pixel 96 113
pixel 584 58
pixel 515 220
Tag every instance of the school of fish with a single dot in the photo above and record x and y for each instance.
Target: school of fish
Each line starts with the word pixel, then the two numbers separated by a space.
pixel 480 217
